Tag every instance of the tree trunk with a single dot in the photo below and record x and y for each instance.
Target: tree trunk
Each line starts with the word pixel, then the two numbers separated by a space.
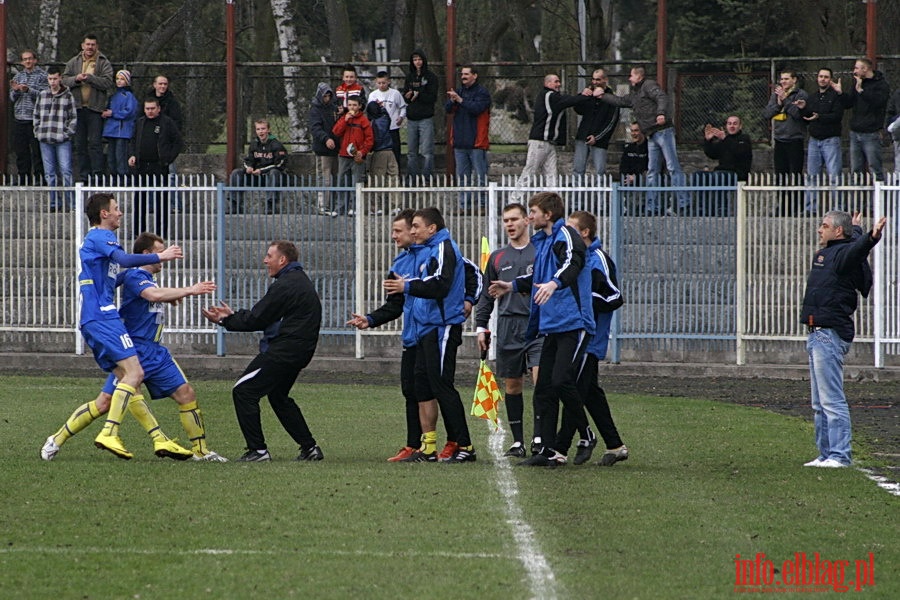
pixel 339 30
pixel 48 30
pixel 428 23
pixel 289 45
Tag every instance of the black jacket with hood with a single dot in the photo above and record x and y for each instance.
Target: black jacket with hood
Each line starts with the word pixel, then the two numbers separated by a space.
pixel 420 90
pixel 321 121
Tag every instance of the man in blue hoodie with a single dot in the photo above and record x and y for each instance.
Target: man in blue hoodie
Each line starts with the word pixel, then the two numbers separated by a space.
pixel 439 294
pixel 561 312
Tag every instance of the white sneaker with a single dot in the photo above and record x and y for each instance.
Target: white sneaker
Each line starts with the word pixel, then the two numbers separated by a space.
pixel 830 463
pixel 814 462
pixel 49 449
pixel 210 457
pixel 893 126
pixel 351 213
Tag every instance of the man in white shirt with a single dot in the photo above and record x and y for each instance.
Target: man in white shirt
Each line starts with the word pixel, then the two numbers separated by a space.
pixel 392 100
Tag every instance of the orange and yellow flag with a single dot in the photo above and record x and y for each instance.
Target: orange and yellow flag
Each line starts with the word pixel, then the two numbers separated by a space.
pixel 487 395
pixel 485 253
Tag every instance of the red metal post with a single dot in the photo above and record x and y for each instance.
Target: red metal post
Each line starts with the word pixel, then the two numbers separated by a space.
pixel 450 79
pixel 871 30
pixel 661 19
pixel 231 151
pixel 4 91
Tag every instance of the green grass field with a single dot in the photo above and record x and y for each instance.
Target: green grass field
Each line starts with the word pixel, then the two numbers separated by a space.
pixel 704 483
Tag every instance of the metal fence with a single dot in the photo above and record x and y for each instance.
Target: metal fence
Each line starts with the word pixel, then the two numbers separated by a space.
pixel 719 279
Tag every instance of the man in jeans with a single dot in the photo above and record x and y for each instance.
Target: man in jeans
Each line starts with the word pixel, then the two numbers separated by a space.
pixel 420 92
pixel 89 75
pixel 653 112
pixel 54 128
pixel 839 270
pixel 868 97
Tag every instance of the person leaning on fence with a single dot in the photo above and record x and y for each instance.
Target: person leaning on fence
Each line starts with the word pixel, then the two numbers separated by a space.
pixel 840 269
pixel 55 119
pixel 289 315
pixel 23 92
pixel 263 166
pixel 652 110
pixel 869 97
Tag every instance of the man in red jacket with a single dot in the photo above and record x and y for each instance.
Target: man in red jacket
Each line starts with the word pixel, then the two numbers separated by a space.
pixel 355 133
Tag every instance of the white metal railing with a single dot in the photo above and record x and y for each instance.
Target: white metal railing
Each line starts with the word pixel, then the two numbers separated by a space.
pixel 702 277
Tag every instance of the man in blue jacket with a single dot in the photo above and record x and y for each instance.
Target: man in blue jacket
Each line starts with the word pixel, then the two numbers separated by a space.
pixel 839 270
pixel 438 311
pixel 470 105
pixel 561 312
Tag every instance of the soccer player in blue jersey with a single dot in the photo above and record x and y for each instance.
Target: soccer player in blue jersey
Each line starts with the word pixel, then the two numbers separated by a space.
pixel 143 313
pixel 101 259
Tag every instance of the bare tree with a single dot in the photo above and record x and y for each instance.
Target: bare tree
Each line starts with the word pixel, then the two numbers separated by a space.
pixel 48 30
pixel 289 44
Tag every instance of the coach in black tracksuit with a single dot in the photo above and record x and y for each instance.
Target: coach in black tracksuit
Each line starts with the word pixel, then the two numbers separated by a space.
pixel 289 315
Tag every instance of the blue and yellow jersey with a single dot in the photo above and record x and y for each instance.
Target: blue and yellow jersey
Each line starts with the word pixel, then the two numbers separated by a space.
pixel 97 279
pixel 144 320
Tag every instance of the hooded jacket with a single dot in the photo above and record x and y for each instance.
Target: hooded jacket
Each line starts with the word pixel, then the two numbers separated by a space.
pixel 321 121
pixel 420 90
pixel 381 127
pixel 357 131
pixel 605 295
pixel 439 288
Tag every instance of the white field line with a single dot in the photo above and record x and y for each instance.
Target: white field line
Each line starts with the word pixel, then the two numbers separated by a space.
pixel 540 576
pixel 77 550
pixel 891 487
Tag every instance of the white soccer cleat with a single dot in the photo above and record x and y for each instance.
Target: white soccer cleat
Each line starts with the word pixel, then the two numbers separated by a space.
pixel 49 449
pixel 210 457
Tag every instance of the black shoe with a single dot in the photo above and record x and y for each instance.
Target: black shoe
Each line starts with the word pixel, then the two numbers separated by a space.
pixel 535 460
pixel 311 454
pixel 254 456
pixel 419 456
pixel 462 455
pixel 584 451
pixel 515 451
pixel 535 448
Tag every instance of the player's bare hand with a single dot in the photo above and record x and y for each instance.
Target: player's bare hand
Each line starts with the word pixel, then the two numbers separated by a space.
pixel 879 226
pixel 394 286
pixel 202 288
pixel 544 291
pixel 358 321
pixel 483 343
pixel 467 308
pixel 171 253
pixel 499 288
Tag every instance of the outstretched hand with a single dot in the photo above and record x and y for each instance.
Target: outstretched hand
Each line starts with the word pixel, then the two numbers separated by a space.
pixel 215 314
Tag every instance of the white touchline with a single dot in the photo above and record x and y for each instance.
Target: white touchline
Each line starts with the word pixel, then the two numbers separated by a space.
pixel 884 483
pixel 543 583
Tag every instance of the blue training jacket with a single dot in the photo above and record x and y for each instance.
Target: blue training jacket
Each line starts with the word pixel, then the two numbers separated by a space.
pixel 439 286
pixel 559 257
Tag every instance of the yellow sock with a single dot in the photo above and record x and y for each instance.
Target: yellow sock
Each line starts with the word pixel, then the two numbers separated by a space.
pixel 83 416
pixel 142 413
pixel 117 406
pixel 429 442
pixel 192 422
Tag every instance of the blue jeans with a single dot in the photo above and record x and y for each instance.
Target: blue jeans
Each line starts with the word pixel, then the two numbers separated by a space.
pixel 117 156
pixel 662 145
pixel 865 148
pixel 822 153
pixel 420 145
pixel 830 411
pixel 58 157
pixel 469 161
pixel 582 152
